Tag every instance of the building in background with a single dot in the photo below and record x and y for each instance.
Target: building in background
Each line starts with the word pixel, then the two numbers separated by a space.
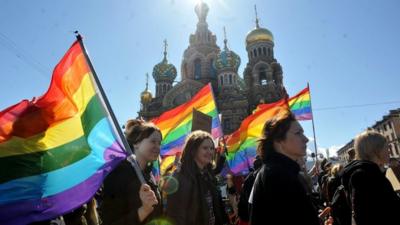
pixel 389 126
pixel 205 62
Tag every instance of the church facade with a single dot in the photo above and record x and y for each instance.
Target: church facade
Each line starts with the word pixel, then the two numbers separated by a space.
pixel 204 62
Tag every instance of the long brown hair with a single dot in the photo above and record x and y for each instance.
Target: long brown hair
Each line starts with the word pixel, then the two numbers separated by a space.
pixel 275 129
pixel 136 130
pixel 192 144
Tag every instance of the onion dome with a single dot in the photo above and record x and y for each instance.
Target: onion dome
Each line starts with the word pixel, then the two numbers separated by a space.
pixel 259 34
pixel 146 96
pixel 227 59
pixel 201 10
pixel 164 70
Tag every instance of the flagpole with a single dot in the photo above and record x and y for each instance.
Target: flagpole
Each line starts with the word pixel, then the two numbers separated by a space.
pixel 114 121
pixel 313 127
pixel 222 128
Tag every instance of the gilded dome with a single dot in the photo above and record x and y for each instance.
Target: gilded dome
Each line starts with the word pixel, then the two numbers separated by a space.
pixel 259 34
pixel 146 96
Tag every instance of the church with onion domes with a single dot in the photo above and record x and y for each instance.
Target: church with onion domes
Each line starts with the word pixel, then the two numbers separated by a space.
pixel 205 62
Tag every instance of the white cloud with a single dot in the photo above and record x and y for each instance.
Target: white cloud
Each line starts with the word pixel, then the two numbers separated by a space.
pixel 322 150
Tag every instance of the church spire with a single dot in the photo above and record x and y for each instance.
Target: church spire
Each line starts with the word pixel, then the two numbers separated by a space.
pixel 147 81
pixel 165 50
pixel 255 10
pixel 225 40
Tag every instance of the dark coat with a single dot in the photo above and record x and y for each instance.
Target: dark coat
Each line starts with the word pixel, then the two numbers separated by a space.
pixel 121 199
pixel 279 196
pixel 243 203
pixel 373 199
pixel 188 204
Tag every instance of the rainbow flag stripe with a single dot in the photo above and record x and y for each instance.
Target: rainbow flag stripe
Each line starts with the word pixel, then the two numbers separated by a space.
pixel 176 123
pixel 300 105
pixel 242 143
pixel 55 150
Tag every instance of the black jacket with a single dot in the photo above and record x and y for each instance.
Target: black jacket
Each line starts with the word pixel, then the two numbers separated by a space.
pixel 279 197
pixel 188 204
pixel 121 199
pixel 373 199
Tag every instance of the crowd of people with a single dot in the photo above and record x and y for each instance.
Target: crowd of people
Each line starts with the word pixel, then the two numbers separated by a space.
pixel 278 190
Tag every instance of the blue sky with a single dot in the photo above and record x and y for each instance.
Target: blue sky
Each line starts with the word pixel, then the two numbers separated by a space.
pixel 347 50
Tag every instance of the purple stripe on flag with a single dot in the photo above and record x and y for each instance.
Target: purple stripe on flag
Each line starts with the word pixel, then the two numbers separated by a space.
pixel 28 211
pixel 306 116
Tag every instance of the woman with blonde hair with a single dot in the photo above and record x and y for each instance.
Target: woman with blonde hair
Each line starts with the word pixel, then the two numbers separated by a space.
pixel 373 200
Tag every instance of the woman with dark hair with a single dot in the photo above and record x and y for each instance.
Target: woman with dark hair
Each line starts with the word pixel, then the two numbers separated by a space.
pixel 125 200
pixel 197 200
pixel 279 196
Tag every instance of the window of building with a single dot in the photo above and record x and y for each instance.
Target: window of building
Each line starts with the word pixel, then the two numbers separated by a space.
pixel 259 51
pixel 263 76
pixel 227 123
pixel 213 71
pixel 185 72
pixel 264 51
pixel 396 149
pixel 230 79
pixel 221 80
pixel 255 52
pixel 197 69
pixel 390 150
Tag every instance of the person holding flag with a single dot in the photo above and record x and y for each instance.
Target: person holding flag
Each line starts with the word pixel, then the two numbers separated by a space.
pixel 125 199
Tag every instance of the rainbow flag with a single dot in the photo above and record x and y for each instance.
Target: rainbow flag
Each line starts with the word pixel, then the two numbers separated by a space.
pixel 56 150
pixel 300 105
pixel 176 123
pixel 242 143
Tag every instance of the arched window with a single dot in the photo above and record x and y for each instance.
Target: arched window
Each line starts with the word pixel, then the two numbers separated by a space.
pixel 259 51
pixel 225 79
pixel 197 69
pixel 255 52
pixel 227 123
pixel 230 78
pixel 185 70
pixel 262 73
pixel 264 51
pixel 222 80
pixel 213 71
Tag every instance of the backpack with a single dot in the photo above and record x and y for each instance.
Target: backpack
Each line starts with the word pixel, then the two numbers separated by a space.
pixel 341 210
